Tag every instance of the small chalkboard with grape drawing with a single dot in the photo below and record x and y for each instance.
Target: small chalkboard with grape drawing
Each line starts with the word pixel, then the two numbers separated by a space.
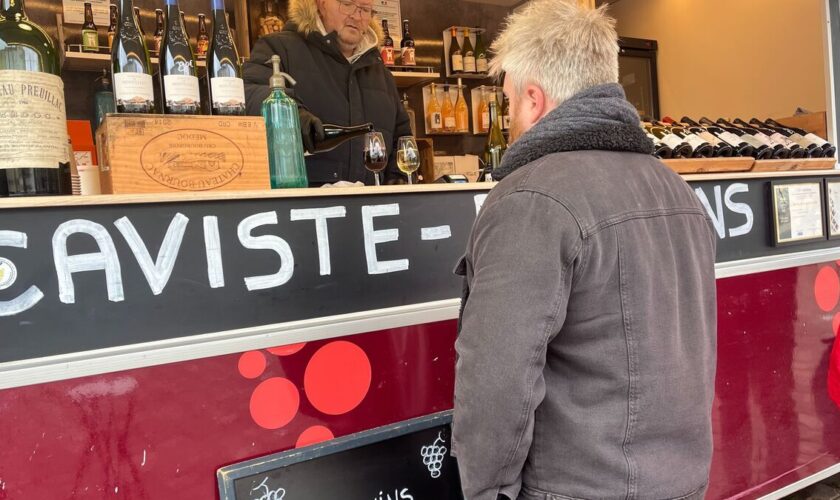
pixel 409 460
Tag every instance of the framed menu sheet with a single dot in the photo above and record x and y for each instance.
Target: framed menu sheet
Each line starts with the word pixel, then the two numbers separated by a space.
pixel 832 207
pixel 798 214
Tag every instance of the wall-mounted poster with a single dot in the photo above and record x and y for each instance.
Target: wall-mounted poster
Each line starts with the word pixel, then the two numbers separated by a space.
pixel 832 200
pixel 797 211
pixel 74 12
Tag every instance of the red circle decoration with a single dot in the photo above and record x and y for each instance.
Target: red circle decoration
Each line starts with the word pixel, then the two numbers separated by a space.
pixel 835 325
pixel 274 403
pixel 827 288
pixel 337 378
pixel 251 364
pixel 314 435
pixel 286 350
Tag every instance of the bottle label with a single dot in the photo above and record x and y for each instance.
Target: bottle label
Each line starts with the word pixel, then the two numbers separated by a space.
pixel 731 138
pixel 752 141
pixel 158 41
pixel 784 141
pixel 33 119
pixel 449 122
pixel 228 92
pixel 181 90
pixel 457 63
pixel 485 120
pixel 819 141
pixel 763 139
pixel 407 55
pixel 469 63
pixel 481 64
pixel 90 39
pixel 671 141
pixel 133 88
pixel 111 35
pixel 201 47
pixel 506 122
pixel 708 137
pixel 436 121
pixel 388 56
pixel 694 141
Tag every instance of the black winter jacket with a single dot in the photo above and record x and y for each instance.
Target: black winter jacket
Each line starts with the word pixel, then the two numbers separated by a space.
pixel 335 91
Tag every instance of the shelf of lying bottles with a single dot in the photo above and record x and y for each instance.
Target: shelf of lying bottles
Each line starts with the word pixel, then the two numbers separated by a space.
pixel 746 164
pixel 409 76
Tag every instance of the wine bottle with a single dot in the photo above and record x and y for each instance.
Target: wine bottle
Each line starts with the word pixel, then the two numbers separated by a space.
pixel 178 80
pixel 433 111
pixel 462 112
pixel 775 138
pixel 483 114
pixel 336 135
pixel 159 27
pixel 139 21
pixel 739 147
pixel 412 119
pixel 131 70
pixel 448 111
pixel 112 27
pixel 90 35
pixel 496 145
pixel 720 149
pixel 679 148
pixel 660 149
pixel 387 45
pixel 481 64
pixel 829 149
pixel 505 113
pixel 103 99
pixel 469 53
pixel 407 47
pixel 33 160
pixel 761 151
pixel 269 21
pixel 224 73
pixel 203 39
pixel 779 152
pixel 184 24
pixel 456 59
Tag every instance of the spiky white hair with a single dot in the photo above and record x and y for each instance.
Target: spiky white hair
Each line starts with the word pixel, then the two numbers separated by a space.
pixel 559 46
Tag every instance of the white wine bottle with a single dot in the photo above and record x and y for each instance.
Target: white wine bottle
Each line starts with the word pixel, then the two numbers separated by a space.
pixel 178 79
pixel 227 89
pixel 496 144
pixel 130 67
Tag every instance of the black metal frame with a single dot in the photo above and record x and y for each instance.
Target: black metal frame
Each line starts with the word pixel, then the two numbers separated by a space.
pixel 774 211
pixel 648 49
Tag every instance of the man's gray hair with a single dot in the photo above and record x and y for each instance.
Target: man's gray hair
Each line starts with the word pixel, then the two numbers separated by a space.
pixel 559 46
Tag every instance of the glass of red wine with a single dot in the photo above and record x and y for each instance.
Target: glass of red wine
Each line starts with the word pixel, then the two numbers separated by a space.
pixel 376 154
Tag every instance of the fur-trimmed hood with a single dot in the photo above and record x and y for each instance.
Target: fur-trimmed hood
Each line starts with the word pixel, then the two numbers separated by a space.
pixel 304 14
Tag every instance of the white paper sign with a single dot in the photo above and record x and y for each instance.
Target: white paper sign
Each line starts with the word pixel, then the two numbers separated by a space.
pixel 74 12
pixel 799 214
pixel 389 10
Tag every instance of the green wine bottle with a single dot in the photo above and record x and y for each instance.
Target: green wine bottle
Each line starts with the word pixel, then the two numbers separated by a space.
pixel 224 73
pixel 179 80
pixel 32 113
pixel 132 76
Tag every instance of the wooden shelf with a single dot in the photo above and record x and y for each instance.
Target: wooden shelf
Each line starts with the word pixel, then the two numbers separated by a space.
pixel 92 61
pixel 791 165
pixel 449 133
pixel 469 76
pixel 708 165
pixel 409 76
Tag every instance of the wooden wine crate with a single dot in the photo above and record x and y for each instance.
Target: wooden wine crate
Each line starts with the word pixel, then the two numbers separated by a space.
pixel 709 165
pixel 165 153
pixel 815 123
pixel 790 165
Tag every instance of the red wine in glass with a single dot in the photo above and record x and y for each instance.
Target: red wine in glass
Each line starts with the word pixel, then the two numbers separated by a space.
pixel 376 155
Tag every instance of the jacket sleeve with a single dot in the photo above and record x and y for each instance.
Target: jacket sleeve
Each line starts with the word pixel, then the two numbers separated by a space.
pixel 525 249
pixel 402 127
pixel 256 73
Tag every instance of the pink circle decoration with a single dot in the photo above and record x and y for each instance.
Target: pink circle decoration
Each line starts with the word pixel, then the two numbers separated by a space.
pixel 286 350
pixel 314 435
pixel 337 378
pixel 827 288
pixel 251 364
pixel 274 403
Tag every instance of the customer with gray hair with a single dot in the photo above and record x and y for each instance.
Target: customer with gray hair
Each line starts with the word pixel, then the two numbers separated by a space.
pixel 586 351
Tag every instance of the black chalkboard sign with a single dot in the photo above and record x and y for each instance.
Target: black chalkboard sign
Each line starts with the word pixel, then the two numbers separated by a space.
pixel 406 461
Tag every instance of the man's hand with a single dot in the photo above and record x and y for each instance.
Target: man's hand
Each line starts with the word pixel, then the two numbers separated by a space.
pixel 311 129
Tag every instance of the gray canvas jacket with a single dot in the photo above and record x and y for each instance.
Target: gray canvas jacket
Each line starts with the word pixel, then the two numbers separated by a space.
pixel 587 346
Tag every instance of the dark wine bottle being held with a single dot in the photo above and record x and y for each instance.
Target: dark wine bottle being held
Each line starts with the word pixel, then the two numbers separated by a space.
pixel 112 27
pixel 159 28
pixel 178 79
pixel 828 149
pixel 34 158
pixel 131 71
pixel 761 151
pixel 700 148
pixel 203 39
pixel 224 73
pixel 739 147
pixel 720 148
pixel 336 135
pixel 90 35
pixel 775 139
pixel 779 152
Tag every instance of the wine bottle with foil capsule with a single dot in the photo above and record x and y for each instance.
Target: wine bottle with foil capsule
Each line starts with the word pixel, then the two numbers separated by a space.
pixel 830 149
pixel 224 72
pixel 178 79
pixel 131 70
pixel 90 34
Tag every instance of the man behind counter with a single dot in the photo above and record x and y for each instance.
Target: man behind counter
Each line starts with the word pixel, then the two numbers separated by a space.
pixel 331 48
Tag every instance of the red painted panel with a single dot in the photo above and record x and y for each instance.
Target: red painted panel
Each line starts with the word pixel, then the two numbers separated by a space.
pixel 161 432
pixel 774 422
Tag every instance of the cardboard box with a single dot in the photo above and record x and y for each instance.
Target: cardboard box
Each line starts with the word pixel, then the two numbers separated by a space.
pixel 166 153
pixel 467 165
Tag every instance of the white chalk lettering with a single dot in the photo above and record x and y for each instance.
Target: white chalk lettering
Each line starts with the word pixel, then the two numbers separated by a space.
pixel 267 242
pixel 159 271
pixel 267 493
pixel 104 260
pixel 435 233
pixel 739 208
pixel 213 248
pixel 320 216
pixel 375 237
pixel 33 294
pixel 716 216
pixel 479 202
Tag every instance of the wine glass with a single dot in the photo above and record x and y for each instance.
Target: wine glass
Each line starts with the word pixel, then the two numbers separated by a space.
pixel 408 156
pixel 376 155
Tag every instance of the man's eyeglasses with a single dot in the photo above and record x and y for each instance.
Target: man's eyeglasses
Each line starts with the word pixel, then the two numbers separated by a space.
pixel 349 7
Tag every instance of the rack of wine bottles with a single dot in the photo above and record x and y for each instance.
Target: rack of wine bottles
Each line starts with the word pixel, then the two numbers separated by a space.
pixel 723 138
pixel 465 53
